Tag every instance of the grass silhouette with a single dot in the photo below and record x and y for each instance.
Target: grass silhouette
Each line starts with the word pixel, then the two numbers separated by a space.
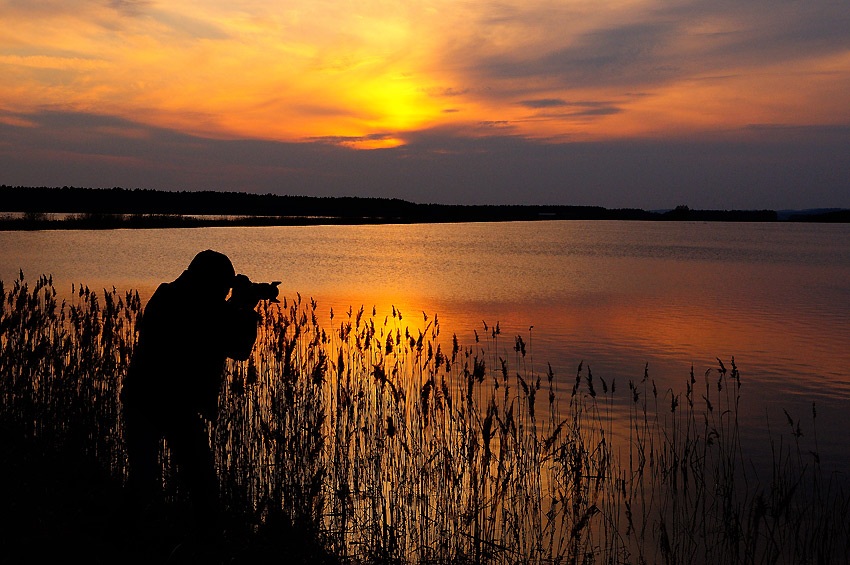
pixel 366 441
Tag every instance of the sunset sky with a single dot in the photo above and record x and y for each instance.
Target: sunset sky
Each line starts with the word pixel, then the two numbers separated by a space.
pixel 632 103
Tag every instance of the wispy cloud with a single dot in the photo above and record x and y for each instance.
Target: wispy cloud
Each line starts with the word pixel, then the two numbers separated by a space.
pixel 544 103
pixel 341 139
pixel 446 92
pixel 629 55
pixel 371 141
pixel 130 7
pixel 52 62
pixel 763 168
pixel 335 76
pixel 326 69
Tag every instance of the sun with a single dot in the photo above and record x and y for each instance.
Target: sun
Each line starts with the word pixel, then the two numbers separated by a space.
pixel 386 106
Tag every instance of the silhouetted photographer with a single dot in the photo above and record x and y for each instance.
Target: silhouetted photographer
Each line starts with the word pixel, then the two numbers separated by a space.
pixel 188 328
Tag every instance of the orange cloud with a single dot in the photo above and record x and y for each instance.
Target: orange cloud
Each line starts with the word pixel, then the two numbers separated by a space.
pixel 375 71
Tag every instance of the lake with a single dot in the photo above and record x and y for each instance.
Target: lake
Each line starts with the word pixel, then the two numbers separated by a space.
pixel 615 295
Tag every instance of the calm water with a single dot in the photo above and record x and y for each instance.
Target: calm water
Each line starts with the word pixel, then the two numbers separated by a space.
pixel 616 295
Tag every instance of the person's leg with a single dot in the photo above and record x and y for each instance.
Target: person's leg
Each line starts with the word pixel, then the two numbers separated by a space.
pixel 142 437
pixel 189 443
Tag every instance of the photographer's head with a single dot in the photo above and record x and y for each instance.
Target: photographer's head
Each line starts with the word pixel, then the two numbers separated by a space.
pixel 212 272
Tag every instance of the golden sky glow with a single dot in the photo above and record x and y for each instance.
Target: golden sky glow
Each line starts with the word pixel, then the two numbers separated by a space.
pixel 618 103
pixel 365 75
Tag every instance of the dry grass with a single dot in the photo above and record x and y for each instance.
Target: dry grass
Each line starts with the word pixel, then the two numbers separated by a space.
pixel 383 446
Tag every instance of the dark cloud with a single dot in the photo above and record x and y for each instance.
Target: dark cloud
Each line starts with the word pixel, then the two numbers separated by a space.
pixel 443 92
pixel 188 27
pixel 599 111
pixel 675 41
pixel 130 7
pixel 342 139
pixel 42 8
pixel 544 103
pixel 628 55
pixel 771 29
pixel 780 34
pixel 92 11
pixel 759 167
pixel 791 128
pixel 590 108
pixel 494 124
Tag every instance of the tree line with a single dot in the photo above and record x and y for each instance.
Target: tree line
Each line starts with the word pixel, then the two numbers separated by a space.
pixel 120 207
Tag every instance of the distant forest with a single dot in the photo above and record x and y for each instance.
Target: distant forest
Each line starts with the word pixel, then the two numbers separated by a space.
pixel 118 207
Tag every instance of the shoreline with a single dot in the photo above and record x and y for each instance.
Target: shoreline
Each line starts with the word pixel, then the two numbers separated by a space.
pixel 171 221
pixel 36 208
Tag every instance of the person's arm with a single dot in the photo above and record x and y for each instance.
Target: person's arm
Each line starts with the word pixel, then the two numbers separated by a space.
pixel 242 331
pixel 241 321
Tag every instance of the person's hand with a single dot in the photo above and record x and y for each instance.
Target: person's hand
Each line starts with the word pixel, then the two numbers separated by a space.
pixel 242 294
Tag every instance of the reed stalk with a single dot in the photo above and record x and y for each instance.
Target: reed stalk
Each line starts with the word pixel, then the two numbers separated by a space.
pixel 386 443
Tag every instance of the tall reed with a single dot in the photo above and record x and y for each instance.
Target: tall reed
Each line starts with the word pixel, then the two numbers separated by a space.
pixel 388 442
pixel 61 366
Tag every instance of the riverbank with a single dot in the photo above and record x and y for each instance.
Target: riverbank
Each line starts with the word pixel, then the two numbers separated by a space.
pixel 44 208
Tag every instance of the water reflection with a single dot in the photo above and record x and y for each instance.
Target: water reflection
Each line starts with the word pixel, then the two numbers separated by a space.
pixel 617 295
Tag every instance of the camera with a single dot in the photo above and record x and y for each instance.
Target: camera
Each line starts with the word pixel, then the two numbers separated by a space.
pixel 251 292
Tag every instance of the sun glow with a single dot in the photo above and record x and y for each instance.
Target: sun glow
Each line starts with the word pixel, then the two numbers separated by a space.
pixel 365 76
